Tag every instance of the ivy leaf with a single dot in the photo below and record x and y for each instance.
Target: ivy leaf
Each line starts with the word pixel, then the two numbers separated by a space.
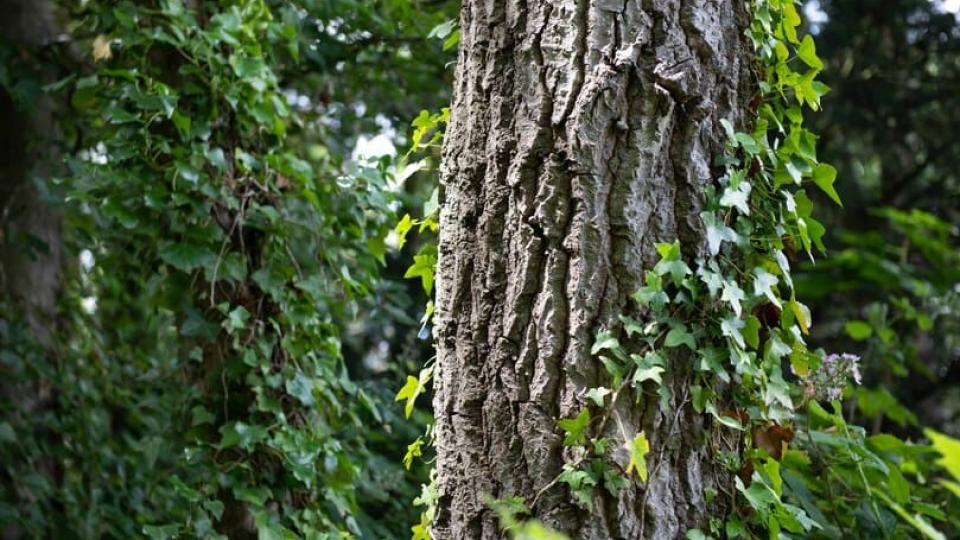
pixel 807 51
pixel 737 198
pixel 763 284
pixel 717 232
pixel 751 332
pixel 678 335
pixel 713 280
pixel 575 428
pixel 802 313
pixel 733 294
pixel 639 447
pixel 605 341
pixel 402 228
pixel 598 394
pixel 949 449
pixel 858 330
pixel 414 450
pixel 652 294
pixel 731 327
pixel 649 368
pixel 413 388
pixel 671 262
pixel 423 267
pixel 824 176
pixel 186 257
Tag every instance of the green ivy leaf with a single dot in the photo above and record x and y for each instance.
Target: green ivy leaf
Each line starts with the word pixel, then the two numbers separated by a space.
pixel 678 335
pixel 605 341
pixel 824 176
pixel 413 388
pixel 858 330
pixel 807 51
pixel 575 429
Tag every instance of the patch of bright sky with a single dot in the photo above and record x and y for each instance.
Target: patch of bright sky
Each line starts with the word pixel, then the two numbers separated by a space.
pixel 953 6
pixel 816 16
pixel 377 145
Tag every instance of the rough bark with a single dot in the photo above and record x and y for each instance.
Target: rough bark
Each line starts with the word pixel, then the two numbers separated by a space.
pixel 582 133
pixel 30 227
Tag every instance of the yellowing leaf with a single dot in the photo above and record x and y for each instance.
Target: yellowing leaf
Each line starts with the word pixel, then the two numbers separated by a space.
pixel 639 447
pixel 101 48
pixel 802 313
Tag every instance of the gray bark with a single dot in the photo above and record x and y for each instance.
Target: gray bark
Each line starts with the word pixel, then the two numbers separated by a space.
pixel 30 227
pixel 582 133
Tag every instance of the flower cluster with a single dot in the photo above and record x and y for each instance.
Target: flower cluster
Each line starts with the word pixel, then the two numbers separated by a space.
pixel 832 377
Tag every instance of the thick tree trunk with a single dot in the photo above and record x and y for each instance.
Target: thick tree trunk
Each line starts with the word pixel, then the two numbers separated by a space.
pixel 30 228
pixel 582 133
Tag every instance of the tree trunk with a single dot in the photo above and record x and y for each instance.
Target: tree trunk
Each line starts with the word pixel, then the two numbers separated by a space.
pixel 582 133
pixel 30 228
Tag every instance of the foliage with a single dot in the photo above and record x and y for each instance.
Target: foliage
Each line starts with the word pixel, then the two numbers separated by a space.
pixel 735 312
pixel 206 393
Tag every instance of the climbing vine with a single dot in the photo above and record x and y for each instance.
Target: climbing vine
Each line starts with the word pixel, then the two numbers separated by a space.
pixel 238 249
pixel 731 308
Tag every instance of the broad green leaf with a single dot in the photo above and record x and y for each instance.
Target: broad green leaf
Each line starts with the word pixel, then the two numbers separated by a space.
pixel 575 429
pixel 949 449
pixel 678 335
pixel 824 176
pixel 858 330
pixel 807 51
pixel 413 388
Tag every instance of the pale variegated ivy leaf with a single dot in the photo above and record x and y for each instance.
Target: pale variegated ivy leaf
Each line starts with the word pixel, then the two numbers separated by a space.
pixel 731 327
pixel 733 294
pixel 763 284
pixel 717 232
pixel 737 198
pixel 631 325
pixel 653 373
pixel 649 368
pixel 784 265
pixel 711 278
pixel 597 395
pixel 605 341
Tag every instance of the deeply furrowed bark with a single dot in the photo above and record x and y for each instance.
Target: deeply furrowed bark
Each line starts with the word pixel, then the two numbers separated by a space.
pixel 582 133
